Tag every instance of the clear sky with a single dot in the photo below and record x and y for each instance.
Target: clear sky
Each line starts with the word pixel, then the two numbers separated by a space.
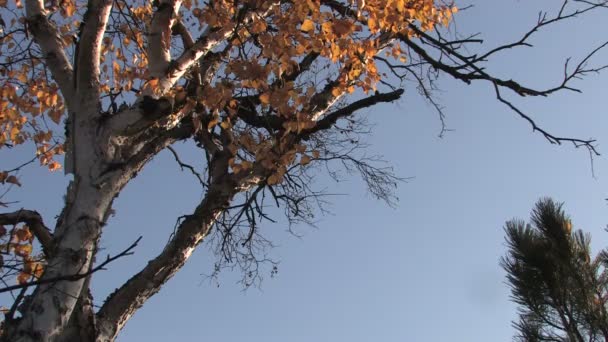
pixel 426 270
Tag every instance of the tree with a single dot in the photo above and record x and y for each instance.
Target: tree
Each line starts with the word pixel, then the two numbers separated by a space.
pixel 561 291
pixel 267 89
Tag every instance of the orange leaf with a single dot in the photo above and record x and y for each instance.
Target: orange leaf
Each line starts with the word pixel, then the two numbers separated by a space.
pixel 38 269
pixel 373 25
pixel 307 25
pixel 212 123
pixel 13 180
pixel 23 234
pixel 226 124
pixel 23 250
pixel 304 160
pixel 22 76
pixel 265 98
pixel 336 92
pixel 342 27
pixel 22 278
pixel 54 166
pixel 274 179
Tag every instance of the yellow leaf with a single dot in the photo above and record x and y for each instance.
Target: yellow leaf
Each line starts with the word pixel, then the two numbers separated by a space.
pixel 246 165
pixel 327 27
pixel 22 76
pixel 212 123
pixel 336 92
pixel 274 179
pixel 372 24
pixel 265 98
pixel 304 160
pixel 307 25
pixel 226 124
pixel 116 67
pixel 69 9
pixel 14 132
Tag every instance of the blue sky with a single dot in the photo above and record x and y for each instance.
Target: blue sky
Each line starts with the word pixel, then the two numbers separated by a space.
pixel 426 270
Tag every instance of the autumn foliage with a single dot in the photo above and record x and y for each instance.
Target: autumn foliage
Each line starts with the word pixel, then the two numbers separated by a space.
pixel 30 100
pixel 266 88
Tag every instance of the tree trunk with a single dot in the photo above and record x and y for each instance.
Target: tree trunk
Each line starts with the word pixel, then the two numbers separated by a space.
pixel 88 199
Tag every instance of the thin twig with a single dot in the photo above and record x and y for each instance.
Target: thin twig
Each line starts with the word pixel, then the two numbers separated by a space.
pixel 77 276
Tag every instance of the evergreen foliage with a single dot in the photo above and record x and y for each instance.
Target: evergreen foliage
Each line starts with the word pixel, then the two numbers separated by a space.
pixel 560 290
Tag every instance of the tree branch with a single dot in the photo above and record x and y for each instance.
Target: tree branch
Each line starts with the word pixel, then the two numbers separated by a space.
pixel 159 37
pixel 77 276
pixel 123 303
pixel 208 40
pixel 330 119
pixel 92 30
pixel 36 225
pixel 181 30
pixel 47 37
pixel 589 143
pixel 183 165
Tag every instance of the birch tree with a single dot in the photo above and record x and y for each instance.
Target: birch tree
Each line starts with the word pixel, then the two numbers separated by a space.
pixel 267 89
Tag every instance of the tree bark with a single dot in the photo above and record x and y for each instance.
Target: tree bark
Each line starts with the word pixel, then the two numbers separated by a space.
pixel 76 235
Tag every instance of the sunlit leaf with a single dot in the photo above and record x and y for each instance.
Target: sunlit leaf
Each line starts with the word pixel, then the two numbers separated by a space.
pixel 307 25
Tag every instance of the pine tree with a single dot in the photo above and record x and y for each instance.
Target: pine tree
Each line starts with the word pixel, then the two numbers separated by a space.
pixel 560 290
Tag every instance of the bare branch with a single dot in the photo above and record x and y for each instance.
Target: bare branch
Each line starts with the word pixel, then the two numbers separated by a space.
pixel 77 276
pixel 330 119
pixel 589 144
pixel 541 23
pixel 183 165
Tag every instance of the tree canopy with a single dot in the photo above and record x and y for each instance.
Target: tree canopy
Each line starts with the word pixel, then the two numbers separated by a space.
pixel 267 89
